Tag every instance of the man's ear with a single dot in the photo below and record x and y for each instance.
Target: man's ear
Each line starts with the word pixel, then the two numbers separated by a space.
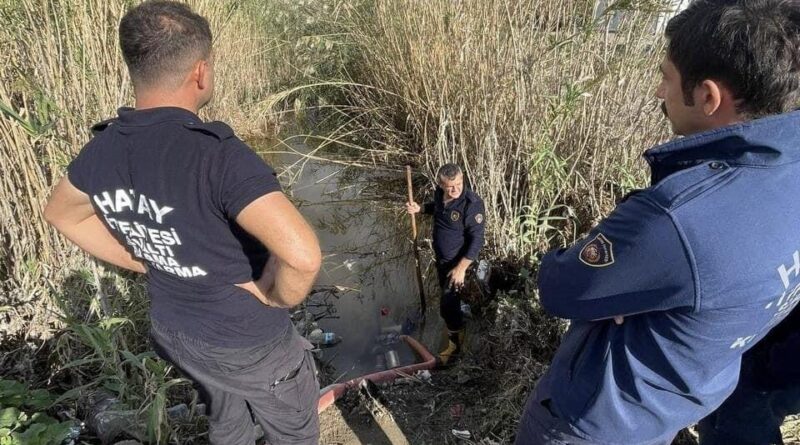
pixel 199 74
pixel 711 95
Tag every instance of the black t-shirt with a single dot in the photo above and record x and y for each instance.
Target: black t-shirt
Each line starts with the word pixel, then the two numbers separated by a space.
pixel 169 187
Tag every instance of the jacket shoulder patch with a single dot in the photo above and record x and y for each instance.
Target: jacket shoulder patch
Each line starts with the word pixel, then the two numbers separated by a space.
pixel 598 252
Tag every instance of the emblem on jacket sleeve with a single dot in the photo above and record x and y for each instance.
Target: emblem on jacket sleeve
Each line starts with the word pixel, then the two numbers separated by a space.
pixel 479 218
pixel 454 215
pixel 597 252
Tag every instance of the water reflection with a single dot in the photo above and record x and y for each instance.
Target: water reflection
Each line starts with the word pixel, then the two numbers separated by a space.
pixel 366 292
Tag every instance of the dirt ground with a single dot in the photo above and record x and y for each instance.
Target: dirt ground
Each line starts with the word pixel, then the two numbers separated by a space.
pixel 477 401
pixel 419 412
pixel 410 411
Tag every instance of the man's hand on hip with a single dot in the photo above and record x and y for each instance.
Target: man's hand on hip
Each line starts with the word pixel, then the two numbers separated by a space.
pixel 261 287
pixel 70 211
pixel 295 256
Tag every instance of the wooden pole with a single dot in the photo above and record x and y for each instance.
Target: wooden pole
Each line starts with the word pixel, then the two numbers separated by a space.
pixel 420 283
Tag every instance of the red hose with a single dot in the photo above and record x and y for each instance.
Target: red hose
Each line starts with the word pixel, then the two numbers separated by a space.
pixel 330 393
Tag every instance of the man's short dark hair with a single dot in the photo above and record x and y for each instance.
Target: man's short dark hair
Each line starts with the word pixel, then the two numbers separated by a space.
pixel 160 39
pixel 750 46
pixel 448 171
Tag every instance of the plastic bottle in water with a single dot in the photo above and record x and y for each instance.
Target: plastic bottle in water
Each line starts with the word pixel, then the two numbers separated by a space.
pixel 388 339
pixel 320 338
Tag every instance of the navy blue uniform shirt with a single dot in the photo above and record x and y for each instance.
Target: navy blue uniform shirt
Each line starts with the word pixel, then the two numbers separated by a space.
pixel 169 187
pixel 458 226
pixel 702 264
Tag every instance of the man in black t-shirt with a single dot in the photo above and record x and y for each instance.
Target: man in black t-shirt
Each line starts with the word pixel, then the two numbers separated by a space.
pixel 458 235
pixel 160 192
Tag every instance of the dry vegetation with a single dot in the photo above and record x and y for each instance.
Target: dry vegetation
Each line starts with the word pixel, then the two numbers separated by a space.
pixel 547 104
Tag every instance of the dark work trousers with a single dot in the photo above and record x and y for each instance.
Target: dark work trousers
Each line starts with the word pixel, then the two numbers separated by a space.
pixel 275 383
pixel 751 415
pixel 450 303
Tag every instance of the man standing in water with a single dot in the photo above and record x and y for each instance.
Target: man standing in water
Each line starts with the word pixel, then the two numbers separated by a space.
pixel 160 192
pixel 458 233
pixel 668 292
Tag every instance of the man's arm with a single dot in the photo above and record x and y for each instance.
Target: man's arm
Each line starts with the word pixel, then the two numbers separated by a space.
pixel 70 211
pixel 413 207
pixel 295 256
pixel 633 262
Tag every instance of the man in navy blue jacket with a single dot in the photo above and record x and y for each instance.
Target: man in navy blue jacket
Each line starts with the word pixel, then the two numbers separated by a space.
pixel 458 234
pixel 683 277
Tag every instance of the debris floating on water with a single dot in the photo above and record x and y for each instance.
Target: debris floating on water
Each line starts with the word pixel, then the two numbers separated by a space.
pixel 392 359
pixel 462 434
pixel 423 375
pixel 320 338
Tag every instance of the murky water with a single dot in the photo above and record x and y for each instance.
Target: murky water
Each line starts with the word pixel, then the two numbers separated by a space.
pixel 367 283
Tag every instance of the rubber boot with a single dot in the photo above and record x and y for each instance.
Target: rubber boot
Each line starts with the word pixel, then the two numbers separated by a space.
pixel 452 349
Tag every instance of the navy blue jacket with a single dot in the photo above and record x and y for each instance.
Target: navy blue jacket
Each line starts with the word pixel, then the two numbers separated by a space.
pixel 702 264
pixel 458 227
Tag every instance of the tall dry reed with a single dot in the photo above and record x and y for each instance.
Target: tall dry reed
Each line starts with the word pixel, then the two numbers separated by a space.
pixel 547 104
